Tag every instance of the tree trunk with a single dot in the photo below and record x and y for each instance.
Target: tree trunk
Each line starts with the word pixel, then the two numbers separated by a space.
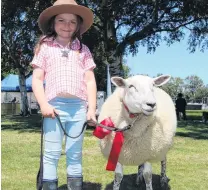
pixel 113 58
pixel 115 66
pixel 115 62
pixel 23 92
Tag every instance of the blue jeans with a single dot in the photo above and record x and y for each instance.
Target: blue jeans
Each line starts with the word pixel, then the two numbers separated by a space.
pixel 72 113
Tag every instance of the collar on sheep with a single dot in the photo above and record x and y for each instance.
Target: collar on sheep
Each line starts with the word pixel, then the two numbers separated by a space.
pixel 118 140
pixel 131 115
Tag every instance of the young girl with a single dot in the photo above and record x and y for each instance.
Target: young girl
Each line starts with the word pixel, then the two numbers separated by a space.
pixel 67 66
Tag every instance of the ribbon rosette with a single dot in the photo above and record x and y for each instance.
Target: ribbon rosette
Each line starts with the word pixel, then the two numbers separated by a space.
pixel 118 140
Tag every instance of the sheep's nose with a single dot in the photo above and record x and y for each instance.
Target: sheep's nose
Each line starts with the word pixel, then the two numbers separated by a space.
pixel 152 105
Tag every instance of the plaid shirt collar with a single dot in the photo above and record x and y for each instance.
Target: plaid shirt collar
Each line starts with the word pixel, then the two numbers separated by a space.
pixel 74 46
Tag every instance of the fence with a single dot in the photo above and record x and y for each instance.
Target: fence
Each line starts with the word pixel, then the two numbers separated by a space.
pixel 10 108
pixel 198 104
pixel 15 108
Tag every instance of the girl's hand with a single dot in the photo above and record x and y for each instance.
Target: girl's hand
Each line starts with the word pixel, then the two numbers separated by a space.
pixel 91 118
pixel 48 111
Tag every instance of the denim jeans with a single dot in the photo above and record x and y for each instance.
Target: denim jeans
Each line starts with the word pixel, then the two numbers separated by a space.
pixel 72 113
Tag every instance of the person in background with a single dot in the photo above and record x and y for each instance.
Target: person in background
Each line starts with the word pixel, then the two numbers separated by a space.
pixel 13 105
pixel 13 100
pixel 181 106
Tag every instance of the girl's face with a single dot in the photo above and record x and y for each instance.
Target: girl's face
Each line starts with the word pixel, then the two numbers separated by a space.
pixel 65 25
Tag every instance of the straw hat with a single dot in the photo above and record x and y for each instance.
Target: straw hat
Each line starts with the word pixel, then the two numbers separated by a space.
pixel 66 6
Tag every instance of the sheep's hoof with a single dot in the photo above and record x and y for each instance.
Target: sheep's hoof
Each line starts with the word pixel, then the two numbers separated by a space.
pixel 117 181
pixel 116 185
pixel 164 183
pixel 139 180
pixel 149 187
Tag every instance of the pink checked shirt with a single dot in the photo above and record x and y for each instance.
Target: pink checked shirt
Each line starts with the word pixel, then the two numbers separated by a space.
pixel 64 75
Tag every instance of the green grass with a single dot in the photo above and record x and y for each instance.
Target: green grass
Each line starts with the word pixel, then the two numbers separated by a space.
pixel 194 114
pixel 187 160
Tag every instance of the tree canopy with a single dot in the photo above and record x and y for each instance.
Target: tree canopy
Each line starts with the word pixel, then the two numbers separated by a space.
pixel 125 25
pixel 120 27
pixel 192 87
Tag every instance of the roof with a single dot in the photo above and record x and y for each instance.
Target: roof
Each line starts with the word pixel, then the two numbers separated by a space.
pixel 11 83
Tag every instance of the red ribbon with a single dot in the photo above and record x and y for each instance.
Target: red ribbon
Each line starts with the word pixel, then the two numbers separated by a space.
pixel 100 133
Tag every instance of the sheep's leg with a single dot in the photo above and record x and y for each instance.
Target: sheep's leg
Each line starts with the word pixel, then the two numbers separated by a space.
pixel 118 176
pixel 140 179
pixel 163 179
pixel 147 174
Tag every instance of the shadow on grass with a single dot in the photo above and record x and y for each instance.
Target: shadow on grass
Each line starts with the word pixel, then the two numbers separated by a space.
pixel 32 123
pixel 194 117
pixel 193 129
pixel 86 186
pixel 128 183
pixel 22 124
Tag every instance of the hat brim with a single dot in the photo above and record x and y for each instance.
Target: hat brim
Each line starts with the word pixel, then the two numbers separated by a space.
pixel 82 11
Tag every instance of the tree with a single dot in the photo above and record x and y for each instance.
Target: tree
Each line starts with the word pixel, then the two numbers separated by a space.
pixel 202 92
pixel 120 26
pixel 18 37
pixel 126 71
pixel 174 86
pixel 16 44
pixel 194 87
pixel 126 25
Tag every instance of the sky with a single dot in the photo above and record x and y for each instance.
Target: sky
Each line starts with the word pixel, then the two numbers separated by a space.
pixel 175 60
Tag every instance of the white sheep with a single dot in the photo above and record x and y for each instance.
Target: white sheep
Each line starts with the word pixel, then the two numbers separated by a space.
pixel 153 127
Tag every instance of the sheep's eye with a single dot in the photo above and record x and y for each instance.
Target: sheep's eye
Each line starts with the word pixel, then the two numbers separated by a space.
pixel 130 86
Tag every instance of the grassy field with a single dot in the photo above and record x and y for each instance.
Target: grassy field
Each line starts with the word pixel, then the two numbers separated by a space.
pixel 194 114
pixel 187 162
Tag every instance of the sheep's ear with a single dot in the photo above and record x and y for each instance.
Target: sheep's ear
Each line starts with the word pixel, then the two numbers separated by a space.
pixel 161 80
pixel 118 81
